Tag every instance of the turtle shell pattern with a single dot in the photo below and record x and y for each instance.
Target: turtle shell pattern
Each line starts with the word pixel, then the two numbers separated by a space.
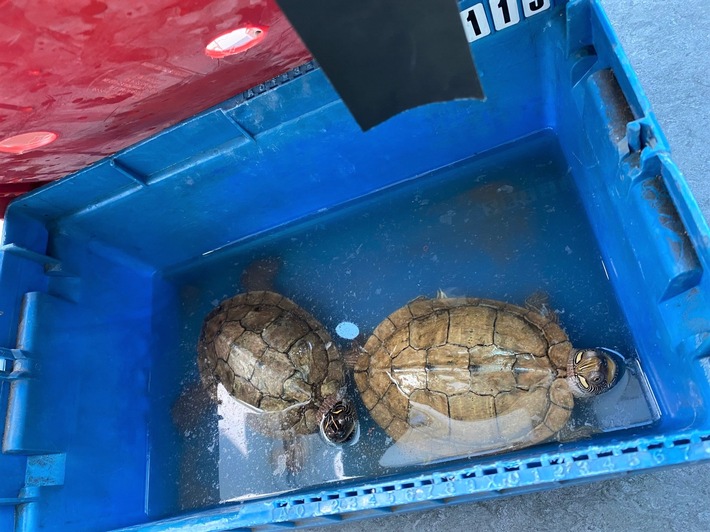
pixel 478 371
pixel 271 354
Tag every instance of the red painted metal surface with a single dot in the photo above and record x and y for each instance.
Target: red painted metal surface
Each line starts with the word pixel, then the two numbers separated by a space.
pixel 104 75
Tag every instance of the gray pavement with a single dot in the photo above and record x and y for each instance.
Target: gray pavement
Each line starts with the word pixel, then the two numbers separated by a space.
pixel 668 43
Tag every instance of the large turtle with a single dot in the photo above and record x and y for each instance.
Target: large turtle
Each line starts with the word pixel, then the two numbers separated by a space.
pixel 476 375
pixel 276 358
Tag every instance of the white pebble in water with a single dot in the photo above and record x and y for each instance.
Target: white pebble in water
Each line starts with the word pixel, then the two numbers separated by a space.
pixel 347 330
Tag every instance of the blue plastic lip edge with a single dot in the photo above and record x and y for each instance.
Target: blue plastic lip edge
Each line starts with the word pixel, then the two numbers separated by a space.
pixel 449 486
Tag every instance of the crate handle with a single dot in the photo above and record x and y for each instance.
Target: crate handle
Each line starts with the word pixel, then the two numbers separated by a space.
pixel 14 365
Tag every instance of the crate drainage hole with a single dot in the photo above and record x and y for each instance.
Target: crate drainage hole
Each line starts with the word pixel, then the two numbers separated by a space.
pixel 605 454
pixel 347 330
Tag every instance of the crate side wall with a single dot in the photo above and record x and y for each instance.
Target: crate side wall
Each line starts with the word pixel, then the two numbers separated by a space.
pixel 653 252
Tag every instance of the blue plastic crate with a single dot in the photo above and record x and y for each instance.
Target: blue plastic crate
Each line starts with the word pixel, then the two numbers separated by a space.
pixel 106 275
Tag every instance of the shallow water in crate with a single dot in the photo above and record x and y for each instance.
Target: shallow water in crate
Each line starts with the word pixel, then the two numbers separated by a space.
pixel 503 226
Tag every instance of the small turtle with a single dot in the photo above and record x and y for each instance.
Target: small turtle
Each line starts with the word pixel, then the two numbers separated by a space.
pixel 276 358
pixel 477 375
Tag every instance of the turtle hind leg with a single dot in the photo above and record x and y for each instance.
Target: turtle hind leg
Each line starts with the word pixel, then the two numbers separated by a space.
pixel 289 457
pixel 260 274
pixel 295 455
pixel 352 353
pixel 540 302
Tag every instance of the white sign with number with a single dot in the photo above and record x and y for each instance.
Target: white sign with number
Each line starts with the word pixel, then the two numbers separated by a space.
pixel 475 22
pixel 505 13
pixel 533 7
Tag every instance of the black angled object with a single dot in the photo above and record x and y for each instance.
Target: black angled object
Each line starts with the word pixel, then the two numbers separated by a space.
pixel 386 56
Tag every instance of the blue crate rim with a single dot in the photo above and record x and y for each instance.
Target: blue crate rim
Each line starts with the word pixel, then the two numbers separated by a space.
pixel 448 486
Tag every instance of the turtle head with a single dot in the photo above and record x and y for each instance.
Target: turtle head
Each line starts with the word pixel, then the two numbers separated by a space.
pixel 592 372
pixel 339 423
